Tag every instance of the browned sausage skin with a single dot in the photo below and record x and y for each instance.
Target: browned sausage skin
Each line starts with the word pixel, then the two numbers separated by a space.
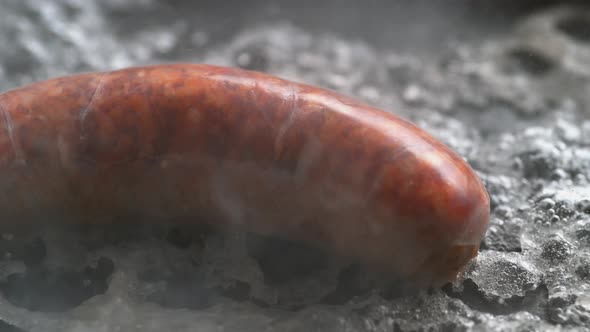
pixel 241 148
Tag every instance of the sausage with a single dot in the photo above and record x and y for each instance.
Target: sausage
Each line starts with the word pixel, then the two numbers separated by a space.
pixel 246 149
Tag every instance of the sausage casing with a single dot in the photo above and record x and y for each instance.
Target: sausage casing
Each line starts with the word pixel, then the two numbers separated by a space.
pixel 236 147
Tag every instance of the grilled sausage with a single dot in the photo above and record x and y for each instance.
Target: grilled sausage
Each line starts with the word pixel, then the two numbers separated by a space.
pixel 241 148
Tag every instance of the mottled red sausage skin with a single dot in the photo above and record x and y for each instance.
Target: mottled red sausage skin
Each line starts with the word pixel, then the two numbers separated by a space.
pixel 241 148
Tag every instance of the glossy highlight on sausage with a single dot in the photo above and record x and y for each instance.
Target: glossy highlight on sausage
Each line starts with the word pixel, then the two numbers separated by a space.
pixel 241 148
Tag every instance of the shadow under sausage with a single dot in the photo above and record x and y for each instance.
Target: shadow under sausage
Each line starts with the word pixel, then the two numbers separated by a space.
pixel 288 267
